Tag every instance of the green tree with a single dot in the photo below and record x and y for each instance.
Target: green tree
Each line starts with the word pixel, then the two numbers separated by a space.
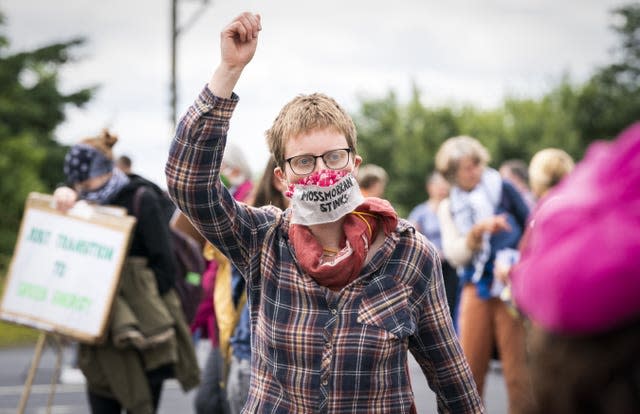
pixel 610 100
pixel 404 138
pixel 31 107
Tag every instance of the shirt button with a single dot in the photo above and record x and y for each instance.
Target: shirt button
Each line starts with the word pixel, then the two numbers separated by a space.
pixel 325 383
pixel 333 311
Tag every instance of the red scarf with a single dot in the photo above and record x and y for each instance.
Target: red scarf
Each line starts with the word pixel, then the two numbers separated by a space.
pixel 360 229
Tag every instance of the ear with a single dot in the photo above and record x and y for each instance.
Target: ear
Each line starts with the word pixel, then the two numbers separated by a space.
pixel 279 174
pixel 278 184
pixel 357 160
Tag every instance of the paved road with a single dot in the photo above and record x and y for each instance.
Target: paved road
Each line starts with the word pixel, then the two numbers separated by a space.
pixel 70 399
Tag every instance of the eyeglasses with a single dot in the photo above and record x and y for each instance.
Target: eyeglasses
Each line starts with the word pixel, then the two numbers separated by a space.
pixel 305 164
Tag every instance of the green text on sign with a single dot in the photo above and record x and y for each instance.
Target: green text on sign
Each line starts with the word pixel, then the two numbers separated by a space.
pixel 71 301
pixel 31 291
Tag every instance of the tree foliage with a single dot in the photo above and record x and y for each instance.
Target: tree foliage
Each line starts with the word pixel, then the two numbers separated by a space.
pixel 611 98
pixel 404 138
pixel 31 107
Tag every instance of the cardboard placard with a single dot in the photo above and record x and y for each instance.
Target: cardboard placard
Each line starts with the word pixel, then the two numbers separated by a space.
pixel 65 269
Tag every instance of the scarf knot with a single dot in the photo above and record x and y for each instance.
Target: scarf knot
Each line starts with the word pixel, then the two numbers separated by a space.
pixel 360 227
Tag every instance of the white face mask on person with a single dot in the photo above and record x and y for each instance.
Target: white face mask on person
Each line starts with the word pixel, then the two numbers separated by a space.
pixel 324 197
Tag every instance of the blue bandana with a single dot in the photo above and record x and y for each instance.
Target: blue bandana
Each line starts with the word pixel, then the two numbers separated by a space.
pixel 83 162
pixel 106 193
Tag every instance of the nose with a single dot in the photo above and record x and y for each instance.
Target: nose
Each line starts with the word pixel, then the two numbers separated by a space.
pixel 320 165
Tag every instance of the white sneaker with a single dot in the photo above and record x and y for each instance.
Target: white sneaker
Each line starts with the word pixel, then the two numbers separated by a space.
pixel 70 375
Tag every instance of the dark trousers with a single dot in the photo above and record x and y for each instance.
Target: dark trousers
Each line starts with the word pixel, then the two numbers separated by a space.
pixel 104 405
pixel 452 290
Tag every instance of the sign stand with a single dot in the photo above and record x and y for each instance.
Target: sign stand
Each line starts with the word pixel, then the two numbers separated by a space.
pixel 26 391
pixel 35 363
pixel 56 373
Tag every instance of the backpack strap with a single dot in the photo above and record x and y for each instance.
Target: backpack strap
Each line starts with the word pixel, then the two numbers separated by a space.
pixel 137 200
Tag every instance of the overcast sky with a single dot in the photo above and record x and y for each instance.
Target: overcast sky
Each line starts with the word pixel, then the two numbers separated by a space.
pixel 457 51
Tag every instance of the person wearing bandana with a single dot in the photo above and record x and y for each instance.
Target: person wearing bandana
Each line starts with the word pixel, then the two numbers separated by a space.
pixel 339 288
pixel 148 339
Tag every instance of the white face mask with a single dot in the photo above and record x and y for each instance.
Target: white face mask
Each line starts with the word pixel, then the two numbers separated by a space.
pixel 315 204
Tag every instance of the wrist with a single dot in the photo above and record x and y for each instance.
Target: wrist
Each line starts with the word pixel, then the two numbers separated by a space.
pixel 224 80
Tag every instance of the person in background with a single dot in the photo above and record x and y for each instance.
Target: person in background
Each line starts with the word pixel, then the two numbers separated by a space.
pixel 124 164
pixel 578 284
pixel 218 312
pixel 211 395
pixel 372 180
pixel 547 168
pixel 127 371
pixel 515 171
pixel 236 173
pixel 424 217
pixel 269 192
pixel 482 215
pixel 339 293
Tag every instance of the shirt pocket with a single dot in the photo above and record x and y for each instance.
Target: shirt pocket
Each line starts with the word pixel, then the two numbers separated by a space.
pixel 385 305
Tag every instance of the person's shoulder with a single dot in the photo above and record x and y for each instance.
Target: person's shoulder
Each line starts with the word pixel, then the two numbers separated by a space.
pixel 508 186
pixel 415 261
pixel 512 195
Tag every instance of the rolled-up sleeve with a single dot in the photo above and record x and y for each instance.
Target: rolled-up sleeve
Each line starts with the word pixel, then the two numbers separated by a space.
pixel 454 243
pixel 193 180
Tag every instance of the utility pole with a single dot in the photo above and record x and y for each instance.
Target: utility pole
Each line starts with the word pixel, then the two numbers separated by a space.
pixel 174 44
pixel 176 31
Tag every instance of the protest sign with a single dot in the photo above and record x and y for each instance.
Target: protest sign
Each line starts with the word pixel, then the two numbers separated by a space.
pixel 65 269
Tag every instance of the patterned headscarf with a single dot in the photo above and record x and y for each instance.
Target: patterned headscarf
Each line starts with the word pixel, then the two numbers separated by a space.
pixel 85 161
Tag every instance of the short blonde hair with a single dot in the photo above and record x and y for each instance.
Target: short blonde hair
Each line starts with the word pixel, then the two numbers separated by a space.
pixel 456 148
pixel 547 168
pixel 306 113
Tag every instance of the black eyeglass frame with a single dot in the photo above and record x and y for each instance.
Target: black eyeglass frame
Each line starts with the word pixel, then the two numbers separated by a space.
pixel 315 160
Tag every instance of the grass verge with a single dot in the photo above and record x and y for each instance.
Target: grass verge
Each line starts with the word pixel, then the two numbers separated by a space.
pixel 12 334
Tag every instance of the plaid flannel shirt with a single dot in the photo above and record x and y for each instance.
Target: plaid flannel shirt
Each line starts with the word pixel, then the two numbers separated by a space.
pixel 314 350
